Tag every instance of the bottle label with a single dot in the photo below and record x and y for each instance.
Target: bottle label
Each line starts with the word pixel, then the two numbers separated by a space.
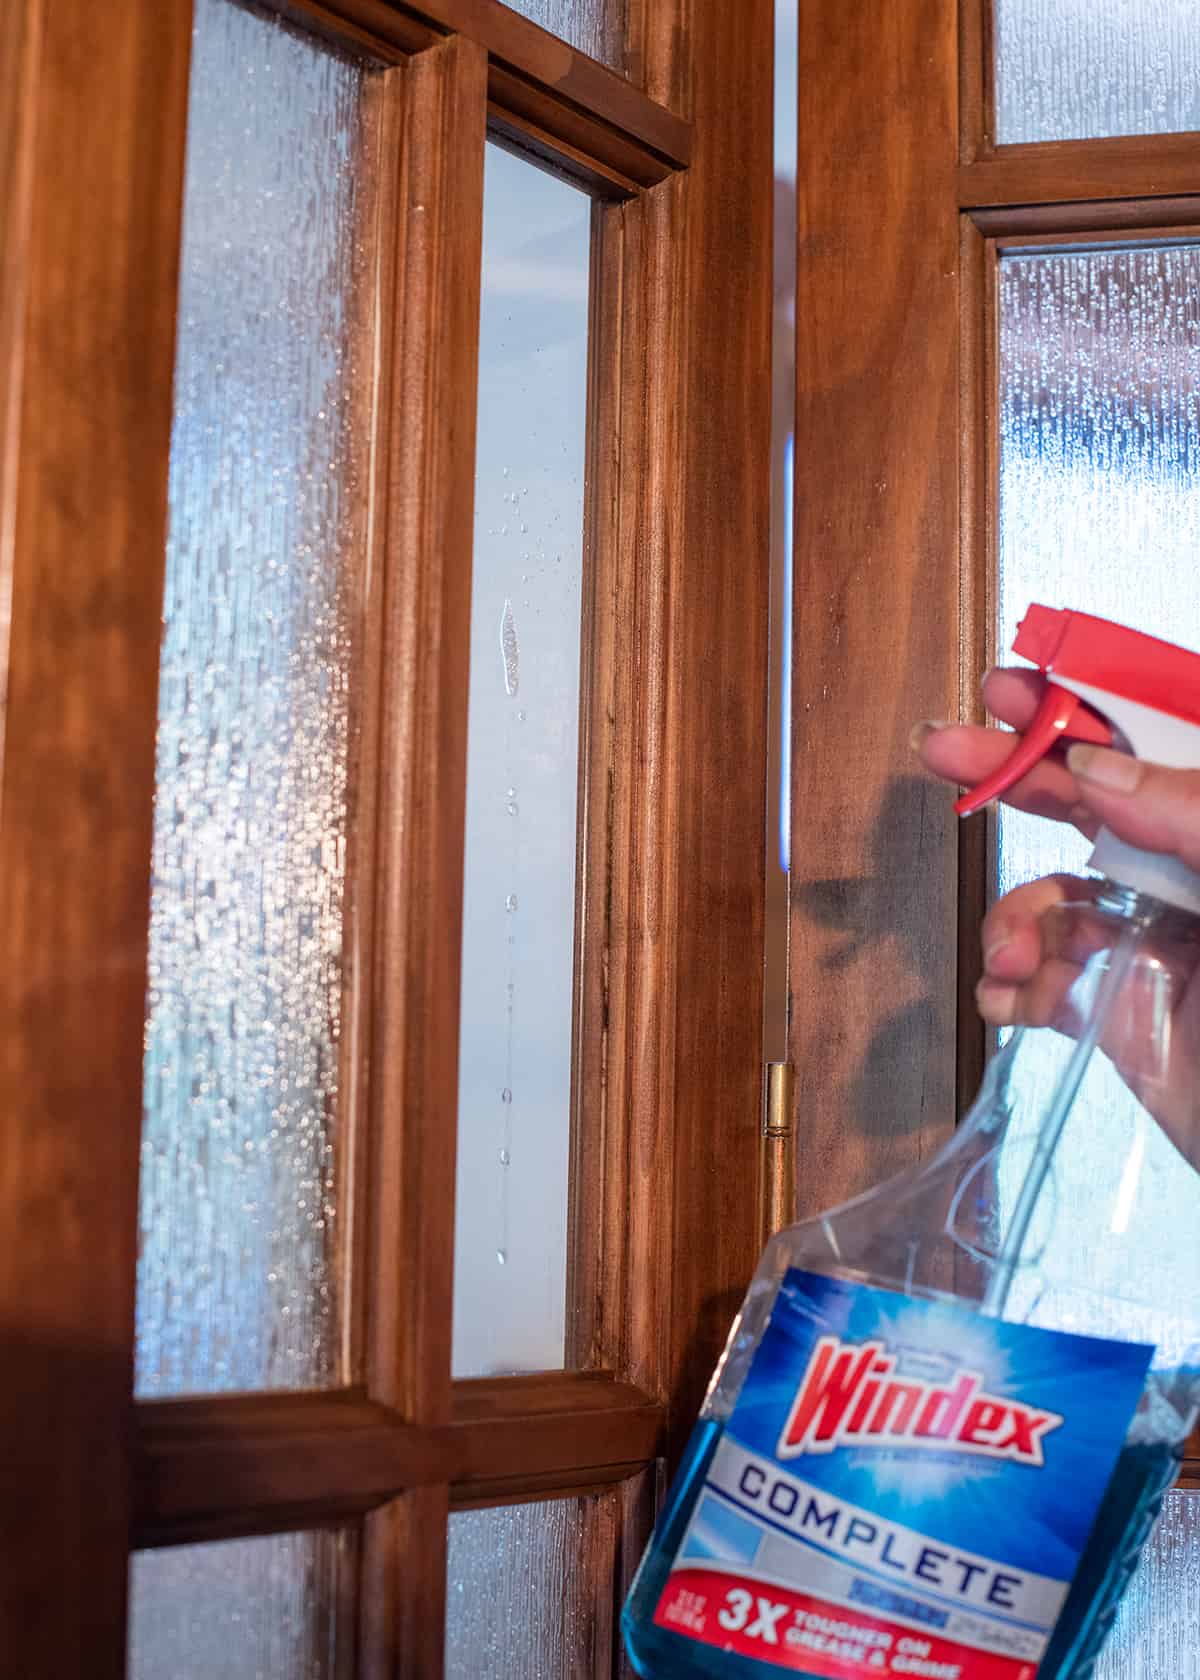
pixel 903 1487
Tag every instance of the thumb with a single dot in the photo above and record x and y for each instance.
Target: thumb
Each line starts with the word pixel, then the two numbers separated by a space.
pixel 1142 804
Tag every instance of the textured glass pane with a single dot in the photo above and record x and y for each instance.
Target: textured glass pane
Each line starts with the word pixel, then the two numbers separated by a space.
pixel 238 1279
pixel 596 27
pixel 1158 1626
pixel 522 776
pixel 1100 510
pixel 518 1605
pixel 1082 69
pixel 260 1609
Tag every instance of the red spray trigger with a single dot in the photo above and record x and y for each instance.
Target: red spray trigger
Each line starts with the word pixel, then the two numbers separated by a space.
pixel 1062 716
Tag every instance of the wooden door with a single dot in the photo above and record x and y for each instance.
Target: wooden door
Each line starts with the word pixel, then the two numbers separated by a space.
pixel 287 1473
pixel 998 207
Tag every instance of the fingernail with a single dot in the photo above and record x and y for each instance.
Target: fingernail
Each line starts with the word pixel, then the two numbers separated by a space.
pixel 997 1002
pixel 921 730
pixel 990 952
pixel 1113 771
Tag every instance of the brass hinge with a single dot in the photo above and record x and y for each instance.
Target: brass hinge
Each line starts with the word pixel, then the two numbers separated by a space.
pixel 778 1176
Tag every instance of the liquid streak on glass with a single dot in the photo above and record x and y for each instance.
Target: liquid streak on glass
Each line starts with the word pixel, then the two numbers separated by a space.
pixel 517 1599
pixel 1086 69
pixel 1100 510
pixel 238 1281
pixel 518 952
pixel 261 1609
pixel 596 27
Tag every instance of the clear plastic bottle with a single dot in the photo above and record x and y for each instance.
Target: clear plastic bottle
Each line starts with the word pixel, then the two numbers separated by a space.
pixel 948 1411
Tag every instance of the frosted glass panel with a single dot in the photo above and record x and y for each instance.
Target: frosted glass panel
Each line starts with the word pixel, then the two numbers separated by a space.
pixel 240 1215
pixel 1157 1633
pixel 517 1604
pixel 596 27
pixel 262 1609
pixel 522 776
pixel 1083 69
pixel 1100 510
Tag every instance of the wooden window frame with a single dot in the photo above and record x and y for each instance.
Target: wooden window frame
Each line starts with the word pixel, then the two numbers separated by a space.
pixel 896 624
pixel 668 1061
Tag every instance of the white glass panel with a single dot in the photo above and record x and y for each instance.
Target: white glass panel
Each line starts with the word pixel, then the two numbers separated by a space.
pixel 517 1605
pixel 237 1286
pixel 596 27
pixel 1100 510
pixel 522 776
pixel 262 1609
pixel 1083 69
pixel 1157 1633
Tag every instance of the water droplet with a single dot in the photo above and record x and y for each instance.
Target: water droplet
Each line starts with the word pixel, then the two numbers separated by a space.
pixel 510 903
pixel 509 650
pixel 504 471
pixel 506 1095
pixel 504 1157
pixel 502 1257
pixel 513 808
pixel 510 793
pixel 521 716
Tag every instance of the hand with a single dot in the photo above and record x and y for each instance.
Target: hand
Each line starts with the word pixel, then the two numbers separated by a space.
pixel 1025 983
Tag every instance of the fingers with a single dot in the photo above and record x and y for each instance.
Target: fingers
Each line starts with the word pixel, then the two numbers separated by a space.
pixel 1142 804
pixel 1022 981
pixel 966 753
pixel 1013 695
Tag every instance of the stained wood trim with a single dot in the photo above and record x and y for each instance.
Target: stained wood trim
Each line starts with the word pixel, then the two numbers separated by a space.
pixel 1104 222
pixel 879 605
pixel 1065 171
pixel 976 81
pixel 425 506
pixel 251 1464
pixel 525 50
pixel 695 510
pixel 20 51
pixel 977 575
pixel 596 124
pixel 88 313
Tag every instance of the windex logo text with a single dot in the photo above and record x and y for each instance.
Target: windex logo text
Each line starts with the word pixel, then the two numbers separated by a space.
pixel 849 1397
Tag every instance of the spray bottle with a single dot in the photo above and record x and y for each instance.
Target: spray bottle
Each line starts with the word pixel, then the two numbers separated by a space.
pixel 939 1434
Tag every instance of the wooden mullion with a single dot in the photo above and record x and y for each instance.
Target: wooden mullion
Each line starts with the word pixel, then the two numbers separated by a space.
pixel 879 606
pixel 696 515
pixel 92 144
pixel 1044 226
pixel 976 79
pixel 524 49
pixel 374 302
pixel 425 507
pixel 1066 171
pixel 596 125
pixel 258 1463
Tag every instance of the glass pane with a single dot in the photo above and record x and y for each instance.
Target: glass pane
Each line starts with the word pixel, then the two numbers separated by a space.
pixel 1158 1626
pixel 1082 69
pixel 261 1609
pixel 521 1590
pixel 596 27
pixel 240 1212
pixel 1099 474
pixel 522 775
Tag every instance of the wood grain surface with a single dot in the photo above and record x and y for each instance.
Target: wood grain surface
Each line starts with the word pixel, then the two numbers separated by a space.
pixel 88 316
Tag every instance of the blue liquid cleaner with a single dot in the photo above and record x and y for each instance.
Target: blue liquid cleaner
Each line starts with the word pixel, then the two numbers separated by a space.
pixel 1134 1498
